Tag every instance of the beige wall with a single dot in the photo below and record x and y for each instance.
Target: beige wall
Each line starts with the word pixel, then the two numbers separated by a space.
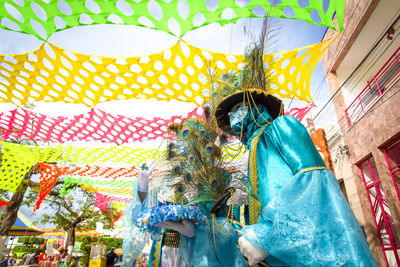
pixel 365 21
pixel 343 170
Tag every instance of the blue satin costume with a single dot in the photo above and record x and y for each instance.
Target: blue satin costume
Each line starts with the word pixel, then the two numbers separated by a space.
pixel 304 219
pixel 197 251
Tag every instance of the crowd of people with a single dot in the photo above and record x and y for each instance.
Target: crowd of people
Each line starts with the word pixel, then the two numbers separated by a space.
pixel 63 258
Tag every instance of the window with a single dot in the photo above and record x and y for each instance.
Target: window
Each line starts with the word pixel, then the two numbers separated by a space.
pixel 381 212
pixel 384 79
pixel 392 154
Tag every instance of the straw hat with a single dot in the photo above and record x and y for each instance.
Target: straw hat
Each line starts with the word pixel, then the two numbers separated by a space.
pixel 273 104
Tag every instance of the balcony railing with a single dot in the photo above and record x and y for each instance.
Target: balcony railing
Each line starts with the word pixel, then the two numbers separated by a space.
pixel 383 80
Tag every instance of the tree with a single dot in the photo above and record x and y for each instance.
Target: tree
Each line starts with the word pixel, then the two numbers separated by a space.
pixel 75 211
pixel 10 214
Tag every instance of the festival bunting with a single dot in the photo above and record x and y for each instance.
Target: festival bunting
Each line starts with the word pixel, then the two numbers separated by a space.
pixel 50 173
pixel 299 113
pixel 125 192
pixel 96 125
pixel 57 232
pixel 48 176
pixel 102 201
pixel 43 18
pixel 119 206
pixel 99 182
pixel 18 159
pixel 182 72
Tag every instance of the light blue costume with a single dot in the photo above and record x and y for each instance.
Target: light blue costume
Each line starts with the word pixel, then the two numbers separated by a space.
pixel 305 219
pixel 197 251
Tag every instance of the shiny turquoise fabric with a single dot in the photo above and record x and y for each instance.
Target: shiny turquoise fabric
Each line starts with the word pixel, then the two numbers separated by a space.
pixel 134 240
pixel 199 251
pixel 305 219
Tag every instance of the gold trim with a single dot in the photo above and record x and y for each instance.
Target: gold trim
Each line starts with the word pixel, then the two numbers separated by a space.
pixel 171 239
pixel 157 253
pixel 229 216
pixel 254 207
pixel 311 169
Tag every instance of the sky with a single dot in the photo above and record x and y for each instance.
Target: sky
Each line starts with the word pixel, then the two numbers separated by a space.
pixel 127 41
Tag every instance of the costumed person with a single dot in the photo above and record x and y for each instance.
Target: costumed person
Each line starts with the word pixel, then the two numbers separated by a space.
pixel 199 188
pixel 303 219
pixel 111 258
pixel 135 239
pixel 165 250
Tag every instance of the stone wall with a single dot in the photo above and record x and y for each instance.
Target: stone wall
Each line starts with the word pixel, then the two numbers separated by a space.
pixel 373 130
pixel 356 14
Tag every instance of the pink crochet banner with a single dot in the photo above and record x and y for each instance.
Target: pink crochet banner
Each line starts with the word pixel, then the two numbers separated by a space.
pixel 96 125
pixel 102 200
pixel 299 113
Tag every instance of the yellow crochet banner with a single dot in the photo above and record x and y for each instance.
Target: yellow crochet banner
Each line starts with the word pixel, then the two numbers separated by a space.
pixel 182 72
pixel 119 206
pixel 108 190
pixel 18 159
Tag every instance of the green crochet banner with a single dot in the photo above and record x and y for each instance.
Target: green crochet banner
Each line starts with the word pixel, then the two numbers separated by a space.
pixel 99 185
pixel 100 182
pixel 18 159
pixel 177 17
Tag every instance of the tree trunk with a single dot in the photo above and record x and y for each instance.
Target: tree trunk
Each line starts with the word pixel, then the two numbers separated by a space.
pixel 71 239
pixel 11 213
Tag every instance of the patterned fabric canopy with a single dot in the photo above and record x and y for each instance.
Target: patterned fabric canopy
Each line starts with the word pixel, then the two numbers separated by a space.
pixel 57 232
pixel 95 125
pixel 50 173
pixel 43 18
pixel 102 201
pixel 182 72
pixel 18 159
pixel 24 227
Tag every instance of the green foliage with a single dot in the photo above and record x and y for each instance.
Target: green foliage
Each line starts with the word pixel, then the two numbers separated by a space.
pixel 31 240
pixel 30 245
pixel 75 210
pixel 24 249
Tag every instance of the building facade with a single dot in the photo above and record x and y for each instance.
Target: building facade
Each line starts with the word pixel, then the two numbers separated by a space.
pixel 363 73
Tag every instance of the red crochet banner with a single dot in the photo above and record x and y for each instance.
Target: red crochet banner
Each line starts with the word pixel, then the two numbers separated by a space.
pixel 102 200
pixel 47 179
pixel 116 216
pixel 49 174
pixel 299 113
pixel 96 125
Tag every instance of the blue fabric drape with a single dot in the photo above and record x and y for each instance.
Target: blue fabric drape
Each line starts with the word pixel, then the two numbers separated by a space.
pixel 305 219
pixel 134 240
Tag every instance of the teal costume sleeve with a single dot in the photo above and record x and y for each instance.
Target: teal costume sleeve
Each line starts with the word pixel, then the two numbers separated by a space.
pixel 305 219
pixel 134 240
pixel 199 250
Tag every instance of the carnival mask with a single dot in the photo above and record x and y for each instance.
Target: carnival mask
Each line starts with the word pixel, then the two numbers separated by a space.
pixel 236 116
